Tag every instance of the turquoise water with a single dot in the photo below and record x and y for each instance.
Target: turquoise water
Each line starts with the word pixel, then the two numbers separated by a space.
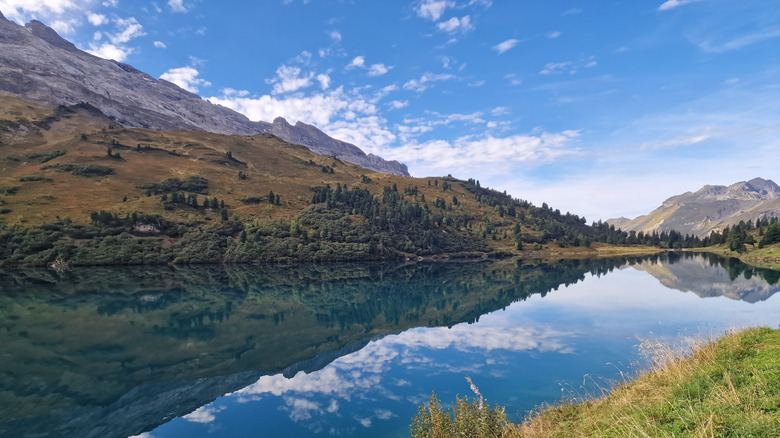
pixel 343 350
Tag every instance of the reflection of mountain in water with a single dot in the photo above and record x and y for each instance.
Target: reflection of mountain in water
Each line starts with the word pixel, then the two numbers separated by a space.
pixel 708 275
pixel 113 352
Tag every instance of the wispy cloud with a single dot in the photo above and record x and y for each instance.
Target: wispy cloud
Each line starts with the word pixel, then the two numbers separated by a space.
pixel 671 4
pixel 739 42
pixel 571 67
pixel 426 81
pixel 572 11
pixel 177 5
pixel 505 45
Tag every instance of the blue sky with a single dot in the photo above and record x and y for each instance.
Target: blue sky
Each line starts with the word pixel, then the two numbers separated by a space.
pixel 603 109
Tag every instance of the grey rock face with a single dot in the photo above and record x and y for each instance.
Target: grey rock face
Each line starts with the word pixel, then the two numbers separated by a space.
pixel 711 208
pixel 39 65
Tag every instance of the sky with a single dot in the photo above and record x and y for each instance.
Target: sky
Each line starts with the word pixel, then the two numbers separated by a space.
pixel 600 108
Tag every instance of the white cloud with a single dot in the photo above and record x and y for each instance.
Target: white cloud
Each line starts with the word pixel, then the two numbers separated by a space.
pixel 318 109
pixel 466 154
pixel 433 9
pixel 324 81
pixel 553 35
pixel 177 5
pixel 64 26
pixel 160 45
pixel 289 79
pixel 506 45
pixel 127 29
pixel 357 62
pixel 572 11
pixel 456 25
pixel 398 104
pixel 671 4
pixel 499 111
pixel 378 69
pixel 110 51
pixel 97 19
pixel 426 81
pixel 130 29
pixel 22 11
pixel 185 77
pixel 335 36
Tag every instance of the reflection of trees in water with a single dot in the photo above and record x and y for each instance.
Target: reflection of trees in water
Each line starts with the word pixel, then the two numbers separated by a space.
pixel 733 266
pixel 337 295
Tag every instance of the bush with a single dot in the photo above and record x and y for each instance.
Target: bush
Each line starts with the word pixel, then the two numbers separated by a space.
pixel 465 419
pixel 88 170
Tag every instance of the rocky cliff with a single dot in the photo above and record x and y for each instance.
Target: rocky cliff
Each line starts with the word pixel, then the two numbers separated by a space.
pixel 710 208
pixel 39 65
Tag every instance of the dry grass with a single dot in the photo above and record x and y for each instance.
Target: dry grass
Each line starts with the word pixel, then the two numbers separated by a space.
pixel 729 387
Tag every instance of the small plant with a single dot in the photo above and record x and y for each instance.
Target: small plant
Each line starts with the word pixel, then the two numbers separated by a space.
pixel 467 418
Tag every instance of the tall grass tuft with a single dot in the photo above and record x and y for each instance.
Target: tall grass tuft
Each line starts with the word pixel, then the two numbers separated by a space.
pixel 466 418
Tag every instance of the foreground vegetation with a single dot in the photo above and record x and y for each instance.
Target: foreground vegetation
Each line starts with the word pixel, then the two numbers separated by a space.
pixel 726 388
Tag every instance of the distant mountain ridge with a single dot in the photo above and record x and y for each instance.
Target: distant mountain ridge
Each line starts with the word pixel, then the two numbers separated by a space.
pixel 39 65
pixel 711 208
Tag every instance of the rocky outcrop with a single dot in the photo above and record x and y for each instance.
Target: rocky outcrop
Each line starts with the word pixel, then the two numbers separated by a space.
pixel 39 65
pixel 711 208
pixel 321 143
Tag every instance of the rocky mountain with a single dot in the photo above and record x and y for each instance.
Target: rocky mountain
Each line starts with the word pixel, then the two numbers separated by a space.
pixel 710 208
pixel 39 65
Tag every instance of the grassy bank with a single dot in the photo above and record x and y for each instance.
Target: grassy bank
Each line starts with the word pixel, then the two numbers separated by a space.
pixel 726 388
pixel 767 257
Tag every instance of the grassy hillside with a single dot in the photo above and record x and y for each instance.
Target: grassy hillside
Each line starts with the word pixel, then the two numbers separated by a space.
pixel 730 387
pixel 75 185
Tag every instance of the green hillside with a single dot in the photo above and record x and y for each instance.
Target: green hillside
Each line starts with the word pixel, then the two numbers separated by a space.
pixel 78 187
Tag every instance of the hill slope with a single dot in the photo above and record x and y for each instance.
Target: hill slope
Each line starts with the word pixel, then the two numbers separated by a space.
pixel 77 186
pixel 39 65
pixel 711 208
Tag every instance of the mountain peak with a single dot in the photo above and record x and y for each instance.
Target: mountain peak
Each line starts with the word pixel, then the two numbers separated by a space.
pixel 765 187
pixel 710 208
pixel 49 35
pixel 281 121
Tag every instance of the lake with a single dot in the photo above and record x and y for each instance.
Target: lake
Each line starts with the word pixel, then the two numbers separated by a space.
pixel 343 349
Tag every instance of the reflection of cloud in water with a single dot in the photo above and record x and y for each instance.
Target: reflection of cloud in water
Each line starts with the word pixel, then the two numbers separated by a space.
pixel 301 408
pixel 464 337
pixel 204 414
pixel 360 375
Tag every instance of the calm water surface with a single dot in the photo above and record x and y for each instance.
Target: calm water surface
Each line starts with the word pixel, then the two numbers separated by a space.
pixel 344 350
